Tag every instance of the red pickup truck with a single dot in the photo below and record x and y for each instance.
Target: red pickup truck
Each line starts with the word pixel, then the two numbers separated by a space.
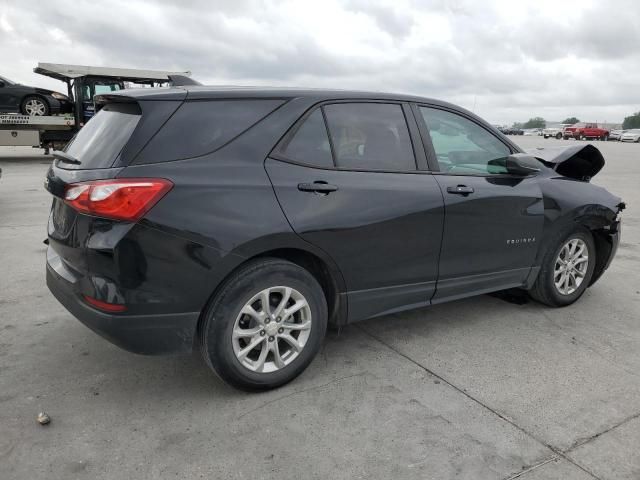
pixel 582 131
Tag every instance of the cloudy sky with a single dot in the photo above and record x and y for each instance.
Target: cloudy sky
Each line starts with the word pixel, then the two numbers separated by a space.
pixel 506 60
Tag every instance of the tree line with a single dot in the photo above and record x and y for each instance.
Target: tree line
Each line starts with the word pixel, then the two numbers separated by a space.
pixel 632 121
pixel 539 122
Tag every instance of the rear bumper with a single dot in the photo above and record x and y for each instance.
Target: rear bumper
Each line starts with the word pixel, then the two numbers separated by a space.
pixel 156 334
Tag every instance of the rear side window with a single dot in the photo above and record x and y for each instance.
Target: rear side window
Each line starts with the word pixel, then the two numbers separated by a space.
pixel 310 143
pixel 370 136
pixel 100 141
pixel 203 126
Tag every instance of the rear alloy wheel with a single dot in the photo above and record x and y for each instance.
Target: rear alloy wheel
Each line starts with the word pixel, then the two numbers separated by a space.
pixel 265 325
pixel 566 269
pixel 266 338
pixel 34 106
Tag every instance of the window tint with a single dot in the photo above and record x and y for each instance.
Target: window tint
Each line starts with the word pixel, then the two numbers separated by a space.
pixel 99 142
pixel 462 146
pixel 371 136
pixel 310 143
pixel 200 127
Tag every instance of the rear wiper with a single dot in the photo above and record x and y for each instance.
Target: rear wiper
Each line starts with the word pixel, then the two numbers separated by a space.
pixel 65 157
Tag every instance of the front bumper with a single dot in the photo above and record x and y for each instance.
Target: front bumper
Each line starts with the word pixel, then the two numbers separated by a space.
pixel 156 334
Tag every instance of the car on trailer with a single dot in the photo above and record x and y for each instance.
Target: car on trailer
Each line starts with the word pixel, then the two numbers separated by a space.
pixel 35 101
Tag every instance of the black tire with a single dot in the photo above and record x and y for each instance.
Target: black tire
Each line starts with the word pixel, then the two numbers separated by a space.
pixel 558 136
pixel 544 289
pixel 220 316
pixel 605 138
pixel 46 110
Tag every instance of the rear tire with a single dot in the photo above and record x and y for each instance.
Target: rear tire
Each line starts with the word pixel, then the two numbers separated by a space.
pixel 34 106
pixel 558 263
pixel 282 347
pixel 559 136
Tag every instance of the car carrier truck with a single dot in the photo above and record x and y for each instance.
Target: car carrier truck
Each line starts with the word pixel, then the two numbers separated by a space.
pixel 83 83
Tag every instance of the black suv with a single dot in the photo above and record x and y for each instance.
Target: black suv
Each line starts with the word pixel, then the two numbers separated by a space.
pixel 242 221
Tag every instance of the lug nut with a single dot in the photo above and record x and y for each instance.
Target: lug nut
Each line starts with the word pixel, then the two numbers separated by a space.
pixel 280 330
pixel 278 319
pixel 271 339
pixel 267 320
pixel 262 333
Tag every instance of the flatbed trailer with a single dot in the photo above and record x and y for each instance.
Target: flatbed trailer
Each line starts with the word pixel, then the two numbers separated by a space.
pixel 83 83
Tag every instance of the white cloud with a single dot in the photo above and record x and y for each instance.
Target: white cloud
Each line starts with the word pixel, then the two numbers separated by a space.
pixel 511 59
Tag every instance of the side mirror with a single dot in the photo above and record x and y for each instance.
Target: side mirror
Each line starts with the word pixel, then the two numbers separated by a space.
pixel 522 164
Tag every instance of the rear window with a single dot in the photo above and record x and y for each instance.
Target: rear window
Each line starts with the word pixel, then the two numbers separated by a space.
pixel 202 126
pixel 100 141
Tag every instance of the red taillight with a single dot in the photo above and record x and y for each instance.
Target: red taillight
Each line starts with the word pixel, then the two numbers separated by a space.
pixel 107 307
pixel 120 199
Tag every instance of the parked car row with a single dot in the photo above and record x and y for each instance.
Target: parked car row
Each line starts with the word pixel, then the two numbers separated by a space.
pixel 632 135
pixel 511 130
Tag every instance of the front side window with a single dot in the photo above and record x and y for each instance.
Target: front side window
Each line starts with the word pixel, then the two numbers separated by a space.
pixel 462 146
pixel 370 136
pixel 310 143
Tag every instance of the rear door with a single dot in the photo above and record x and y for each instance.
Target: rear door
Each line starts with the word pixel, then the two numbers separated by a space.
pixel 493 220
pixel 347 180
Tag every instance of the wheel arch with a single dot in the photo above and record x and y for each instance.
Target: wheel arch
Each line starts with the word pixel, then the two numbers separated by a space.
pixel 597 223
pixel 297 251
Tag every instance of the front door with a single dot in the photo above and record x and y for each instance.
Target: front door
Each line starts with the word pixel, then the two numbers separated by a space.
pixel 493 220
pixel 356 193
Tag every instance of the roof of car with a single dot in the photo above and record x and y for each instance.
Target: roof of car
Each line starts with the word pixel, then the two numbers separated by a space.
pixel 192 92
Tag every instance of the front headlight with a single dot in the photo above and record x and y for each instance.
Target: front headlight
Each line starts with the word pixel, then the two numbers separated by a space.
pixel 59 96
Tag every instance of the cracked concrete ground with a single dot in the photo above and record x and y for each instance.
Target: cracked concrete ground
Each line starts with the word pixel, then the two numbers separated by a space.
pixel 476 389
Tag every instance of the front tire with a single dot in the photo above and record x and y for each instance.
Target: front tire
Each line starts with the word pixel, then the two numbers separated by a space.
pixel 34 106
pixel 566 269
pixel 265 325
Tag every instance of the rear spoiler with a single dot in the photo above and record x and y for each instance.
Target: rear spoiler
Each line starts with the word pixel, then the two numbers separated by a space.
pixel 581 162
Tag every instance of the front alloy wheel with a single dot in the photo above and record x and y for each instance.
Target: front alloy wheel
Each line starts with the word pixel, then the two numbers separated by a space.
pixel 566 268
pixel 272 329
pixel 571 266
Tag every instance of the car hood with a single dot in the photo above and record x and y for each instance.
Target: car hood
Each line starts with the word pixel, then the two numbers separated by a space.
pixel 581 162
pixel 44 91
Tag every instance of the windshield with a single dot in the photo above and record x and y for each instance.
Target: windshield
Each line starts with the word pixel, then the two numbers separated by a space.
pixel 100 141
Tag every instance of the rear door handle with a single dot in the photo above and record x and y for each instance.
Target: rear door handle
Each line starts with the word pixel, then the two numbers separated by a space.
pixel 460 190
pixel 318 187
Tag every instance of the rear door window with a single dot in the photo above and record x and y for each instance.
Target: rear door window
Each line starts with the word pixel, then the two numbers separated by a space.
pixel 370 136
pixel 100 141
pixel 310 143
pixel 202 126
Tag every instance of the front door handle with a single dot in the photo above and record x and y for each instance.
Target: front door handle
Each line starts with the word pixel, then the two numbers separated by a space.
pixel 460 190
pixel 318 187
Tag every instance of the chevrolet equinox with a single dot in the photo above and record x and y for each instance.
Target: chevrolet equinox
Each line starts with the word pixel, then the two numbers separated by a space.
pixel 243 221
